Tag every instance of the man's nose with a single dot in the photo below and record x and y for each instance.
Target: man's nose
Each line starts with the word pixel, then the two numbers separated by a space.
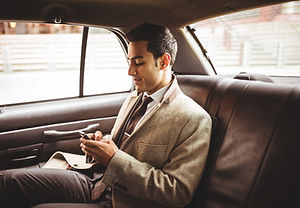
pixel 131 70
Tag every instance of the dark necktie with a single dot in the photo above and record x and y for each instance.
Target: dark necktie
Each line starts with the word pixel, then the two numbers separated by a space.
pixel 136 116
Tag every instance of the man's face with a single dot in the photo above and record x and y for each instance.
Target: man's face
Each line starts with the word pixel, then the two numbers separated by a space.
pixel 147 76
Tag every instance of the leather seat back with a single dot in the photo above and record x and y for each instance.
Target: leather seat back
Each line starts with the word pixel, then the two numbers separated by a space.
pixel 253 159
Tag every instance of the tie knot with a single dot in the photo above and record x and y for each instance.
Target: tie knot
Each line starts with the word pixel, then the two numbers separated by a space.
pixel 136 116
pixel 146 100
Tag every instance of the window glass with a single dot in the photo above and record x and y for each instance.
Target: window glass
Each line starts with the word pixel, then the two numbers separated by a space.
pixel 38 61
pixel 42 62
pixel 106 64
pixel 264 40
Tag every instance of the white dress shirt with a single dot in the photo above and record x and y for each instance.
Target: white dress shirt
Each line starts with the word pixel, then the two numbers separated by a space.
pixel 157 98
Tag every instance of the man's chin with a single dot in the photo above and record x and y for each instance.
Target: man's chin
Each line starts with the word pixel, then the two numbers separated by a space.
pixel 139 90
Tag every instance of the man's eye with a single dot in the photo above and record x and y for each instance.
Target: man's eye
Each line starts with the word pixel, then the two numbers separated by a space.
pixel 138 64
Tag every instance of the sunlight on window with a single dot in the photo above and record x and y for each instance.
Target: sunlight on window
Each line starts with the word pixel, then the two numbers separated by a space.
pixel 42 62
pixel 38 61
pixel 106 64
pixel 264 40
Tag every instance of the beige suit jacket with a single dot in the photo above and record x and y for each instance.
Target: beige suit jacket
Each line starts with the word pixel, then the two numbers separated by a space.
pixel 161 163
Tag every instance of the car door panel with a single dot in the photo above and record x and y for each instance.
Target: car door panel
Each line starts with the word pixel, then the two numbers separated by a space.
pixel 45 113
pixel 23 156
pixel 31 133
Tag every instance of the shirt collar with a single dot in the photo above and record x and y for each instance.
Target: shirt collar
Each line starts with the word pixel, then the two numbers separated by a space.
pixel 159 94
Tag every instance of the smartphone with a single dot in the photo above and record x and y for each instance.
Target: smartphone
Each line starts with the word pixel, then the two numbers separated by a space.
pixel 84 135
pixel 88 159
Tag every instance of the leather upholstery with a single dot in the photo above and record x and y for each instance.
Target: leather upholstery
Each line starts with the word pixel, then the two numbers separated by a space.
pixel 253 159
pixel 250 76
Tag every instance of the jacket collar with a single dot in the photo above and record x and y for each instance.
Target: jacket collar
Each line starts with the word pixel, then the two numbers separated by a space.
pixel 172 92
pixel 169 96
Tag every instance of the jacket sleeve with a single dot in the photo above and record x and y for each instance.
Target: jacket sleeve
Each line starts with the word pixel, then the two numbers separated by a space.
pixel 175 183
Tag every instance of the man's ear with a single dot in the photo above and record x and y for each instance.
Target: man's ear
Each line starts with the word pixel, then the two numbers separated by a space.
pixel 165 61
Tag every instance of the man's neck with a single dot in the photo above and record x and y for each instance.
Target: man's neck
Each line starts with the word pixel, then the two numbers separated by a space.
pixel 167 79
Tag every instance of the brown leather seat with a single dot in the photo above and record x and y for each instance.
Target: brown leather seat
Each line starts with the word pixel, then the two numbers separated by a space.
pixel 254 159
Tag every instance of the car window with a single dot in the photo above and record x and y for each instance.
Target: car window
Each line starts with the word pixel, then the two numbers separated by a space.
pixel 264 40
pixel 42 62
pixel 106 64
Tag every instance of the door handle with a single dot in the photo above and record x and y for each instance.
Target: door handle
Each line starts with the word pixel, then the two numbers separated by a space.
pixel 22 159
pixel 73 133
pixel 24 156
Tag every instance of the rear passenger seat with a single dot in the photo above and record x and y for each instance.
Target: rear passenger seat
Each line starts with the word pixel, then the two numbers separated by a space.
pixel 254 159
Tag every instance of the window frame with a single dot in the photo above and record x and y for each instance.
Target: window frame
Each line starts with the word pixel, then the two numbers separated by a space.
pixel 124 45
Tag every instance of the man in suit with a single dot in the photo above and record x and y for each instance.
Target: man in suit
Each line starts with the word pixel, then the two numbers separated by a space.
pixel 154 159
pixel 160 163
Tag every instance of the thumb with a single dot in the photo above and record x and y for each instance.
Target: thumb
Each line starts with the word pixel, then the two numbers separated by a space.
pixel 98 135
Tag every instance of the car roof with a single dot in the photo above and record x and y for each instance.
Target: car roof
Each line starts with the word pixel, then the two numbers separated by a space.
pixel 124 13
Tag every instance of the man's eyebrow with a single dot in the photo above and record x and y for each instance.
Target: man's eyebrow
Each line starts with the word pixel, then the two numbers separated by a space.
pixel 136 57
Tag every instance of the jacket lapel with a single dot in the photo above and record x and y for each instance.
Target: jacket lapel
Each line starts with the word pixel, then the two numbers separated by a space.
pixel 170 95
pixel 119 124
pixel 146 118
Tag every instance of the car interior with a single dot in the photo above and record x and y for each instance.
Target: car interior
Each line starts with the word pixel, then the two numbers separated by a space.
pixel 253 158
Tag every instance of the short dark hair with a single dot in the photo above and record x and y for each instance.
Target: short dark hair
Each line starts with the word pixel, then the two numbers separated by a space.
pixel 160 40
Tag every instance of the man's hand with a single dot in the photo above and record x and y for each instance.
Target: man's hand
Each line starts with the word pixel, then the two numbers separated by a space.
pixel 102 150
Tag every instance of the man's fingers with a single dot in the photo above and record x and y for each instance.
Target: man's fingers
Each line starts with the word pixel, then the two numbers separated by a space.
pixel 98 135
pixel 102 151
pixel 90 150
pixel 91 136
pixel 87 142
pixel 106 141
pixel 94 144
